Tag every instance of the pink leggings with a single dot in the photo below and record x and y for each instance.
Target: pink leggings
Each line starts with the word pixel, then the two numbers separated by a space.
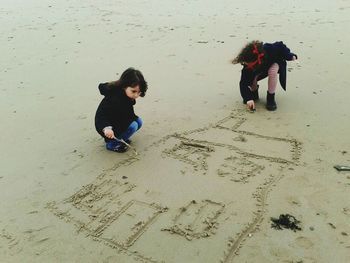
pixel 273 78
pixel 272 74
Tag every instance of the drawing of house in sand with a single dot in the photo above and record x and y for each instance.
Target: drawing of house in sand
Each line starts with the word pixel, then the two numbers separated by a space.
pixel 228 171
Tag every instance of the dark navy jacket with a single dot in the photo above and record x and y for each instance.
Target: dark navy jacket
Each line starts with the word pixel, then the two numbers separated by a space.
pixel 116 110
pixel 274 53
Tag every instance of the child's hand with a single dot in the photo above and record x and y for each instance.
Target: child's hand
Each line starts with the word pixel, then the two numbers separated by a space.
pixel 109 133
pixel 294 58
pixel 251 105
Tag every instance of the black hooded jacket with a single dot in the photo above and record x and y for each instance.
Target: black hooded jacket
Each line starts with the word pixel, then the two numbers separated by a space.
pixel 116 110
pixel 276 52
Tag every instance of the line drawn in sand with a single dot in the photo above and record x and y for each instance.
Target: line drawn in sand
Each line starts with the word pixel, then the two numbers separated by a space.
pixel 239 169
pixel 233 160
pixel 246 157
pixel 100 210
pixel 95 198
pixel 197 220
pixel 191 153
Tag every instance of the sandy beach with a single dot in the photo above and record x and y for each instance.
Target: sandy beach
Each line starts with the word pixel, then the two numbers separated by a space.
pixel 208 176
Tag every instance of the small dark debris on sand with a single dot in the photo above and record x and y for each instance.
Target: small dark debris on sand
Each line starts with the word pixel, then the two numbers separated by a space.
pixel 332 225
pixel 285 221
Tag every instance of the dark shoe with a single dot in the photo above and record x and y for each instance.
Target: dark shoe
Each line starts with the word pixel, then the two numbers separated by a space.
pixel 116 146
pixel 270 102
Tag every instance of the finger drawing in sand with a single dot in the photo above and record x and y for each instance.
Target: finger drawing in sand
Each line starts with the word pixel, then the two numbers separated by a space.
pixel 115 119
pixel 261 60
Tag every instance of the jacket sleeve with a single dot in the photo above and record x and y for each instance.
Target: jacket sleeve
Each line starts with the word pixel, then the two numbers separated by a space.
pixel 246 80
pixel 102 117
pixel 285 51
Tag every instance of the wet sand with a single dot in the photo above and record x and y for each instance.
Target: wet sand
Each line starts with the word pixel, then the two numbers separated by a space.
pixel 209 175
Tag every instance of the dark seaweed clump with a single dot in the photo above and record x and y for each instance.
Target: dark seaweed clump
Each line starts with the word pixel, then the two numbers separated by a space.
pixel 285 221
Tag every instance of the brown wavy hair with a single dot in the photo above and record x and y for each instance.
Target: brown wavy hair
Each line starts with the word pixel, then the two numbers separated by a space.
pixel 246 55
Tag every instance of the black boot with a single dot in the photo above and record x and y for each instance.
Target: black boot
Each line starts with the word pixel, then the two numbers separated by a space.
pixel 270 102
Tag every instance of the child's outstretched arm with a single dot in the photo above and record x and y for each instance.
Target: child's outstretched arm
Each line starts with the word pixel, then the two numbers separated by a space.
pixel 247 78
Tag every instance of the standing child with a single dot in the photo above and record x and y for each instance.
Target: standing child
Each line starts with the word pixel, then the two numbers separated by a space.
pixel 261 60
pixel 115 118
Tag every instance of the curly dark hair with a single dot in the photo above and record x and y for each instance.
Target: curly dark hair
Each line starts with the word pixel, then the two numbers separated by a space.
pixel 246 55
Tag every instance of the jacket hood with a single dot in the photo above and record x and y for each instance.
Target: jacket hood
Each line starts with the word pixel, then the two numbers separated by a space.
pixel 108 90
pixel 105 89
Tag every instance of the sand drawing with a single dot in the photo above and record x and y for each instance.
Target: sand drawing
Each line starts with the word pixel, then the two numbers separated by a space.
pixel 191 153
pixel 197 220
pixel 221 163
pixel 239 169
pixel 11 240
pixel 100 210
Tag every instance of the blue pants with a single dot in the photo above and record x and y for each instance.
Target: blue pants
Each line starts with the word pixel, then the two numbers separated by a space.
pixel 133 127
